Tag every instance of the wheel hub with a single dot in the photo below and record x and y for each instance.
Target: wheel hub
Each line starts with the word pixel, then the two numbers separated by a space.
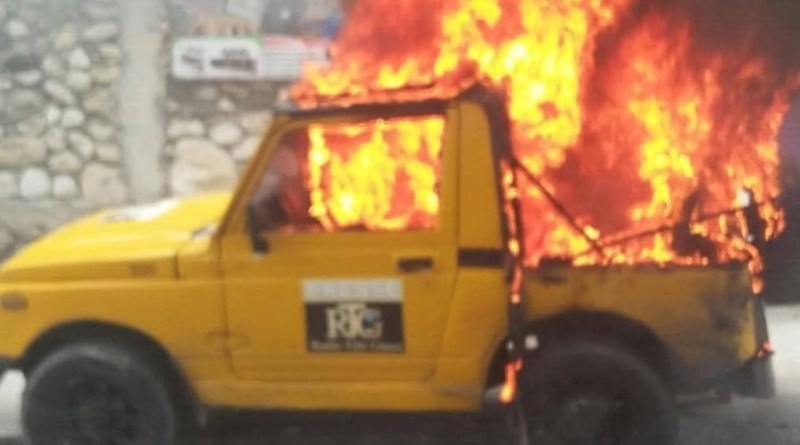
pixel 100 413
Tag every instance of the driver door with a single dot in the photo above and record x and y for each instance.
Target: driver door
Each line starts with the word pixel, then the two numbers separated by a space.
pixel 356 218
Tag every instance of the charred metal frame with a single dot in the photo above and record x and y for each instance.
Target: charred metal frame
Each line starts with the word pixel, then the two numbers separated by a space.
pixel 373 110
pixel 510 208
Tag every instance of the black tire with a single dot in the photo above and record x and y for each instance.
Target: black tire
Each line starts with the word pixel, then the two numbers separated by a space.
pixel 100 393
pixel 588 393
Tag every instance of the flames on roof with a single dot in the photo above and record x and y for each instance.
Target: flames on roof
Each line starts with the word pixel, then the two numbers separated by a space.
pixel 639 124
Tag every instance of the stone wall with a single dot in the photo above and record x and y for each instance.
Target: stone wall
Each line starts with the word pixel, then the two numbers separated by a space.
pixel 60 152
pixel 213 129
pixel 91 118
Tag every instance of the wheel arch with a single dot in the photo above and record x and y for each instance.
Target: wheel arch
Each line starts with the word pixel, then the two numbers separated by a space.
pixel 64 334
pixel 614 329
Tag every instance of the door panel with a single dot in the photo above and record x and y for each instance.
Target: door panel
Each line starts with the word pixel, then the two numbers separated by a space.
pixel 353 305
pixel 267 303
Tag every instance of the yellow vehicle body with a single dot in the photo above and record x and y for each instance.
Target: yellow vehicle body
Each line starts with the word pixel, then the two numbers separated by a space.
pixel 183 274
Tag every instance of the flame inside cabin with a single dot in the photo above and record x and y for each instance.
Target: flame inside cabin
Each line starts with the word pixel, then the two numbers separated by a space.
pixel 382 175
pixel 633 115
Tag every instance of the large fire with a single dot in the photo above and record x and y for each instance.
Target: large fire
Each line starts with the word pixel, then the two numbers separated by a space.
pixel 379 175
pixel 634 117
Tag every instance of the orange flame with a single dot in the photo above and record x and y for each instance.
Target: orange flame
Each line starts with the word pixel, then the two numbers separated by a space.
pixel 380 175
pixel 619 110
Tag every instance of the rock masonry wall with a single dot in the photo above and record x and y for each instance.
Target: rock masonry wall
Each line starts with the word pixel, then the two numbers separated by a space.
pixel 59 135
pixel 61 144
pixel 213 129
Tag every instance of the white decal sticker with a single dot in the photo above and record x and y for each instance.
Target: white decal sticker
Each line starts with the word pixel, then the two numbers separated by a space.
pixel 380 290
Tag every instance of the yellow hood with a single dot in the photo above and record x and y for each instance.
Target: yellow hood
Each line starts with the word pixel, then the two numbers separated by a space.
pixel 135 242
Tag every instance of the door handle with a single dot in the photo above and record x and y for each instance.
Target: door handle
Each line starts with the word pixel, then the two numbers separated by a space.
pixel 411 265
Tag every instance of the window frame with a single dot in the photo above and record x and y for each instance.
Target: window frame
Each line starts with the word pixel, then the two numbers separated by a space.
pixel 326 118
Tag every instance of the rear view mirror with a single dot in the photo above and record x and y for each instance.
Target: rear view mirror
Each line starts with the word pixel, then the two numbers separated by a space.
pixel 258 242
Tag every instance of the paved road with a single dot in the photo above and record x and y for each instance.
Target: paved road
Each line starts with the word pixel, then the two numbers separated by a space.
pixel 774 422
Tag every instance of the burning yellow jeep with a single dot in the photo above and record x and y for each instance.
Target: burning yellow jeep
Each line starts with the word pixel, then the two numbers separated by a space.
pixel 372 259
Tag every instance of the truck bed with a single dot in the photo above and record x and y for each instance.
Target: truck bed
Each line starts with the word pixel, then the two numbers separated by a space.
pixel 705 316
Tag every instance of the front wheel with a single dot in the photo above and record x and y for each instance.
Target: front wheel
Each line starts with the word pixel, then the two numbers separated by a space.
pixel 587 393
pixel 95 392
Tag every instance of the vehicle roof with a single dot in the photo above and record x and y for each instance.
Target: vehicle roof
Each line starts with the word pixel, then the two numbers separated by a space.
pixel 394 102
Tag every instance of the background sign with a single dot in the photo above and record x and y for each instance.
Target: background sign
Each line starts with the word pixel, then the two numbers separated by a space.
pixel 204 58
pixel 275 58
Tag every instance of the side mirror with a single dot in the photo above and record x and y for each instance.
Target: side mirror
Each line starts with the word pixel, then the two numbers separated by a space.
pixel 260 245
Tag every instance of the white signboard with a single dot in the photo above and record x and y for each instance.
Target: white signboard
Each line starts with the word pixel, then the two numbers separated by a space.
pixel 276 58
pixel 204 58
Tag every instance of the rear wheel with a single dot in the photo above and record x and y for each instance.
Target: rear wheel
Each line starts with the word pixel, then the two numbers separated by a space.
pixel 586 393
pixel 99 393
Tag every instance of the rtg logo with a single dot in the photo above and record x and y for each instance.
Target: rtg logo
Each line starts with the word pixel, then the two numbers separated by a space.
pixel 354 321
pixel 354 315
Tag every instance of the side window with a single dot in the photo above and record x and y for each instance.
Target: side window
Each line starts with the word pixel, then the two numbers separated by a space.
pixel 379 175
